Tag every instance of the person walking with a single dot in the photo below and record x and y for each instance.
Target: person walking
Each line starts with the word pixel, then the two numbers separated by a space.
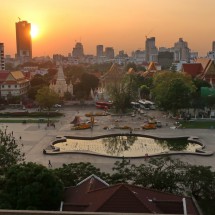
pixel 50 165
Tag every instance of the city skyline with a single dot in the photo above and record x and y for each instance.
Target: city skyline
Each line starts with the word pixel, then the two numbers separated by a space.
pixel 123 25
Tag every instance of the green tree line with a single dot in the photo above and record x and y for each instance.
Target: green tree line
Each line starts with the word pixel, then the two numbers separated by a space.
pixel 36 187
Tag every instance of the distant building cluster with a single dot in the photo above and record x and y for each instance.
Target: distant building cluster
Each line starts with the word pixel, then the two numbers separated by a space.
pixel 180 52
pixel 179 57
pixel 165 57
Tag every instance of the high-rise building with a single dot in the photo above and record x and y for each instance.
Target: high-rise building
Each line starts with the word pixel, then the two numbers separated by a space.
pixel 99 50
pixel 78 51
pixel 138 56
pixel 165 59
pixel 151 50
pixel 23 41
pixel 213 46
pixel 109 52
pixel 181 50
pixel 2 62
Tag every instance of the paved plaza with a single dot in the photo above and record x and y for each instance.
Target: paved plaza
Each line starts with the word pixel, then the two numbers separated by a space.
pixel 35 137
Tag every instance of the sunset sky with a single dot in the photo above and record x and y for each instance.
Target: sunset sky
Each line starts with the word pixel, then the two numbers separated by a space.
pixel 122 24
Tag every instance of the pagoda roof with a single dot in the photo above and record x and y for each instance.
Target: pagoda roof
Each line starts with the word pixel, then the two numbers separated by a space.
pixel 114 73
pixel 152 66
pixel 18 75
pixel 131 71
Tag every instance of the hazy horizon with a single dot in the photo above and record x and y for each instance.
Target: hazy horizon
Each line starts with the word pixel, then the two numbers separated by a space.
pixel 122 24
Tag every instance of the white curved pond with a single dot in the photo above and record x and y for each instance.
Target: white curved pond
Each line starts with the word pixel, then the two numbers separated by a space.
pixel 127 146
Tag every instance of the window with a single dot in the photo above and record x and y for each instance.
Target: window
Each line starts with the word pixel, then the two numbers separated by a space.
pixel 8 86
pixel 15 86
pixel 2 86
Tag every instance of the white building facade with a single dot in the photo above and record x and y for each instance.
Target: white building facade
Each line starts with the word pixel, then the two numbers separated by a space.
pixel 15 84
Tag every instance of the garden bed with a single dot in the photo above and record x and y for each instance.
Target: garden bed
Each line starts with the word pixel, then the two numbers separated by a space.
pixel 209 124
pixel 30 114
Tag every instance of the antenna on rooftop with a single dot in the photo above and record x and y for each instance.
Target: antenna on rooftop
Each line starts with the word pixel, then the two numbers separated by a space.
pixel 148 33
pixel 19 19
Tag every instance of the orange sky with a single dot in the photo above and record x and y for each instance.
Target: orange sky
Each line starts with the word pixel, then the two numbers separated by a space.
pixel 122 24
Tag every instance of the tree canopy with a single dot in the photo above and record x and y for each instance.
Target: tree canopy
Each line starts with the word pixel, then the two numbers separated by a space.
pixel 172 91
pixel 36 83
pixel 46 97
pixel 10 152
pixel 87 82
pixel 123 92
pixel 72 174
pixel 30 187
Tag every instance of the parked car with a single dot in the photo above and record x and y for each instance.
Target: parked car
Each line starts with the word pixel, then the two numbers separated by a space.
pixel 158 124
pixel 57 106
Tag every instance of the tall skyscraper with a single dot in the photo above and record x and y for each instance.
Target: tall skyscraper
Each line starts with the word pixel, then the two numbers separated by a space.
pixel 23 41
pixel 109 52
pixel 2 63
pixel 165 59
pixel 78 51
pixel 213 46
pixel 151 50
pixel 181 50
pixel 99 50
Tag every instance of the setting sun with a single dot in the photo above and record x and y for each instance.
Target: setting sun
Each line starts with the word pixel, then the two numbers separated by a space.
pixel 34 31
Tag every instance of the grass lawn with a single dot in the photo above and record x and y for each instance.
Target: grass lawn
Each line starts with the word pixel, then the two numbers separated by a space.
pixel 26 120
pixel 198 124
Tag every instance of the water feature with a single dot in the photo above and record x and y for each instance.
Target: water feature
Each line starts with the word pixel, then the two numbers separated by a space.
pixel 125 145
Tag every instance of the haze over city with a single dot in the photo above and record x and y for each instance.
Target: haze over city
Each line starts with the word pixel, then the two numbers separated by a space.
pixel 123 25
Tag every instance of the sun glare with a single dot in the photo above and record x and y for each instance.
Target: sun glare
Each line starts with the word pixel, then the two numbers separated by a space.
pixel 34 31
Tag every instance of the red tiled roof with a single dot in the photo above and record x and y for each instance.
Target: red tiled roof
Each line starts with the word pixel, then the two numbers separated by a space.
pixel 90 183
pixel 123 198
pixel 3 75
pixel 192 69
pixel 9 82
